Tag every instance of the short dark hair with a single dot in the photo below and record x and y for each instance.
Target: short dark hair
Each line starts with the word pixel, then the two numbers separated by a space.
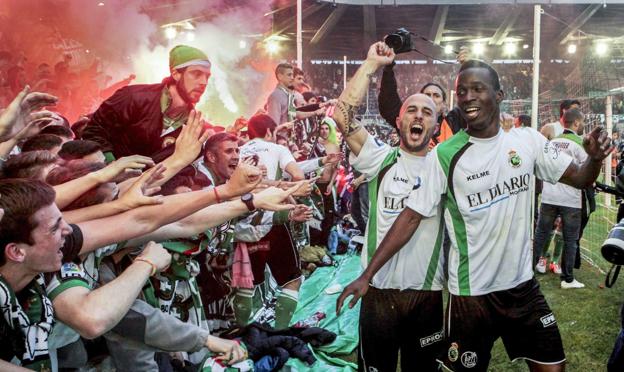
pixel 21 199
pixel 58 130
pixel 475 63
pixel 525 120
pixel 571 116
pixel 297 71
pixel 281 67
pixel 213 141
pixel 308 95
pixel 260 125
pixel 76 169
pixel 77 149
pixel 168 188
pixel 435 85
pixel 42 142
pixel 28 164
pixel 566 104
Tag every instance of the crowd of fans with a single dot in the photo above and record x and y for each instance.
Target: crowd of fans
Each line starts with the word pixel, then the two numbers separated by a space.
pixel 515 78
pixel 145 220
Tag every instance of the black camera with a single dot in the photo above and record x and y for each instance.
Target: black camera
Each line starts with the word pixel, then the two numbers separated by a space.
pixel 400 40
pixel 613 247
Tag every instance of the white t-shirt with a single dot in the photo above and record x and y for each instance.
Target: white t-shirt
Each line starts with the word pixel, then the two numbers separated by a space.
pixel 557 128
pixel 559 193
pixel 272 155
pixel 419 264
pixel 488 204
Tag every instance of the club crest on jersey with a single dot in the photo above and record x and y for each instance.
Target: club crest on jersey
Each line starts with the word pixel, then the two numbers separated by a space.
pixel 469 359
pixel 453 352
pixel 514 159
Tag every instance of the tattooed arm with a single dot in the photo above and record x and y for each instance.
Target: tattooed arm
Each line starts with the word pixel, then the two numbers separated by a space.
pixel 379 55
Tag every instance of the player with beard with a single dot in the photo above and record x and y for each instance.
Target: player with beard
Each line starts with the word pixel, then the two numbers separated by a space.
pixel 483 174
pixel 402 309
pixel 139 119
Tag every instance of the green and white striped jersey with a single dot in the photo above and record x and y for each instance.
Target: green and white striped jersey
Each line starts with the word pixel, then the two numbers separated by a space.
pixel 487 191
pixel 392 174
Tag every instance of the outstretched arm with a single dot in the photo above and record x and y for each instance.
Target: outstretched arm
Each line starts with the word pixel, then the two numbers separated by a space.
pixel 139 221
pixel 379 55
pixel 214 215
pixel 399 234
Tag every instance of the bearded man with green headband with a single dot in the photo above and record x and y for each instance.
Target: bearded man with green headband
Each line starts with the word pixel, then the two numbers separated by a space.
pixel 141 119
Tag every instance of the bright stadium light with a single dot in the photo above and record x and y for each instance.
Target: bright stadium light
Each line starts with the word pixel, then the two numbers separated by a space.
pixel 602 48
pixel 171 33
pixel 478 49
pixel 190 36
pixel 242 44
pixel 510 49
pixel 272 46
pixel 525 46
pixel 572 48
pixel 448 49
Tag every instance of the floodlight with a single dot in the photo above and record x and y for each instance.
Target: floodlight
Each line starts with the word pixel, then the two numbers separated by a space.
pixel 572 48
pixel 448 49
pixel 272 46
pixel 478 49
pixel 602 48
pixel 171 33
pixel 510 49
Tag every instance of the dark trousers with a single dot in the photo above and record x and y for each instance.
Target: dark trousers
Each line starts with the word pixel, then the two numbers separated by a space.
pixel 408 321
pixel 571 220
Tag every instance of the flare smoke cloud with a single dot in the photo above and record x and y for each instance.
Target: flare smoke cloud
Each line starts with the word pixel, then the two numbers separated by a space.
pixel 128 38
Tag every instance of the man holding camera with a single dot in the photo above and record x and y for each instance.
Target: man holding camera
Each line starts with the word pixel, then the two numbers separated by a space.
pixel 402 310
pixel 390 102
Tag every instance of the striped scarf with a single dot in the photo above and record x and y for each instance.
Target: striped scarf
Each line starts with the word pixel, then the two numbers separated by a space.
pixel 31 345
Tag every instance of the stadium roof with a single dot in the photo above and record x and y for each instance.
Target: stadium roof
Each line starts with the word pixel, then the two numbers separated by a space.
pixel 332 29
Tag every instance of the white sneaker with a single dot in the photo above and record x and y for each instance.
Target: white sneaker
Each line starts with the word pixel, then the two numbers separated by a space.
pixel 574 284
pixel 541 265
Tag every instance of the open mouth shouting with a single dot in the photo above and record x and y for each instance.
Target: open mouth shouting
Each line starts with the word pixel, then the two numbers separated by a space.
pixel 416 130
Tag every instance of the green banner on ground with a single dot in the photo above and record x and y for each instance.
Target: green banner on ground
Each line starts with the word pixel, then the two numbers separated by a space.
pixel 313 298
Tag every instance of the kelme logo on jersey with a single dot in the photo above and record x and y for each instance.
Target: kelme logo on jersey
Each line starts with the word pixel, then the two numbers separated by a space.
pixel 514 159
pixel 453 352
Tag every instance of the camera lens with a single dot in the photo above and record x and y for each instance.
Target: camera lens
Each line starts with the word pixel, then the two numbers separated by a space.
pixel 394 41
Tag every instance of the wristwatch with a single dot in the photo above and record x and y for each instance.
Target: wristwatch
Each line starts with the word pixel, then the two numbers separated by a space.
pixel 248 200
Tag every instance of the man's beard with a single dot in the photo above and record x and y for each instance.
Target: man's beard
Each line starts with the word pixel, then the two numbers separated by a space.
pixel 182 92
pixel 426 138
